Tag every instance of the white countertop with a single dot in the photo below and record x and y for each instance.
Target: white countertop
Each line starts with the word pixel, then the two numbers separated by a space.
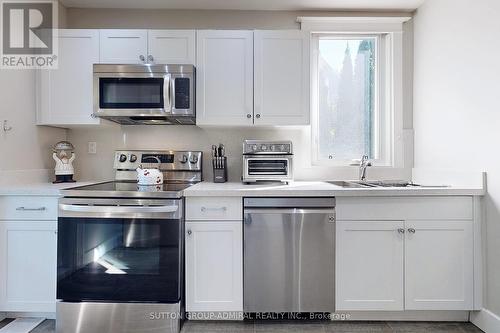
pixel 238 189
pixel 318 188
pixel 39 189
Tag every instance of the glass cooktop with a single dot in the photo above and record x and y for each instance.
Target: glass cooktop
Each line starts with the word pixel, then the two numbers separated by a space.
pixel 121 189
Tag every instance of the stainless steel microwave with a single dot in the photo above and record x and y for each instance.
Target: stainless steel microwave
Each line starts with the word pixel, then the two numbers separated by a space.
pixel 145 94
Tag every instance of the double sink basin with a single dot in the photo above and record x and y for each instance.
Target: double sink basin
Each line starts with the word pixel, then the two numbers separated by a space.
pixel 372 184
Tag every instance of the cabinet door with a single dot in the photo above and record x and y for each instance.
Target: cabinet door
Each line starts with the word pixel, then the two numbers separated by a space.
pixel 65 95
pixel 439 265
pixel 224 77
pixel 171 46
pixel 369 265
pixel 281 77
pixel 28 266
pixel 214 266
pixel 123 46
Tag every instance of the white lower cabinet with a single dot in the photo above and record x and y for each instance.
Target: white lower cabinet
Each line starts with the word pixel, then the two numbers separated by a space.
pixel 369 265
pixel 214 266
pixel 28 264
pixel 439 261
pixel 434 258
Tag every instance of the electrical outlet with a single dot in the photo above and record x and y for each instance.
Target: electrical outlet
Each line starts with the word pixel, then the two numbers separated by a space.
pixel 92 148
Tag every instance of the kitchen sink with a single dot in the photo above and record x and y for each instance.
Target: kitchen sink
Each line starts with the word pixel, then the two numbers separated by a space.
pixel 371 184
pixel 351 184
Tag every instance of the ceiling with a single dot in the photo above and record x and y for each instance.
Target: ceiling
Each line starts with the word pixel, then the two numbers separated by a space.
pixel 399 5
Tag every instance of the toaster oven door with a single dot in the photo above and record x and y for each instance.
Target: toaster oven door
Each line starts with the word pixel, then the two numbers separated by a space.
pixel 267 168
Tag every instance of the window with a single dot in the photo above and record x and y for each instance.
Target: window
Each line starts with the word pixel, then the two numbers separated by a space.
pixel 359 77
pixel 346 97
pixel 350 116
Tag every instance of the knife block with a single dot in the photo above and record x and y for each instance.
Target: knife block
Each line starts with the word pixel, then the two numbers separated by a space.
pixel 220 171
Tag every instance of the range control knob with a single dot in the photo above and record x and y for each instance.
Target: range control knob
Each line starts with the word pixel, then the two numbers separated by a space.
pixel 183 159
pixel 273 147
pixel 193 159
pixel 133 158
pixel 263 147
pixel 254 147
pixel 123 158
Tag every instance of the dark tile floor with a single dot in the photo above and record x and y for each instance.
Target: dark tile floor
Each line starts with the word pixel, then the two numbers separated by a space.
pixel 48 326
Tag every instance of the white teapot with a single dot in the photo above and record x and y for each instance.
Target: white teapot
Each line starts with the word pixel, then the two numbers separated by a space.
pixel 149 176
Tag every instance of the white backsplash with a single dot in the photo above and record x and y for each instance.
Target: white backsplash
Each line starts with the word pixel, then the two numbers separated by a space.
pixel 110 137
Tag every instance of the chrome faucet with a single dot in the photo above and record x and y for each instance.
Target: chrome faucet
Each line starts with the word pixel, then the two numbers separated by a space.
pixel 365 163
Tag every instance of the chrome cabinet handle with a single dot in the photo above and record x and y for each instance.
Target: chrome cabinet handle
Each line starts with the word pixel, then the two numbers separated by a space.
pixel 401 230
pixel 150 58
pixel 411 230
pixel 205 209
pixel 249 115
pixel 24 209
pixel 257 116
pixel 189 232
pixel 142 58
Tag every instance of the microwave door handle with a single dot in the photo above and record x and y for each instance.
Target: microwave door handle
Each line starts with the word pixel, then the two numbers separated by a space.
pixel 172 94
pixel 167 91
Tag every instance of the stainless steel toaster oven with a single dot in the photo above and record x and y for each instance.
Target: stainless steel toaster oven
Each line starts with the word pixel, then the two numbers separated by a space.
pixel 267 161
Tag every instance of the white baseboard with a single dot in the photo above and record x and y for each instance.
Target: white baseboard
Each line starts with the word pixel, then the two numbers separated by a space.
pixel 486 320
pixel 403 315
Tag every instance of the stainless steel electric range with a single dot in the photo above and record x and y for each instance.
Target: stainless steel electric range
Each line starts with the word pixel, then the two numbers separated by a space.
pixel 120 248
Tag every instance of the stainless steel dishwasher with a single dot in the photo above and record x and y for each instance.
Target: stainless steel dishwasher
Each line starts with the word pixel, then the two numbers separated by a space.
pixel 289 254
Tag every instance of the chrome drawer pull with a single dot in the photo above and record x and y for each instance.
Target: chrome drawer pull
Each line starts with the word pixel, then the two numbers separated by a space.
pixel 205 209
pixel 24 209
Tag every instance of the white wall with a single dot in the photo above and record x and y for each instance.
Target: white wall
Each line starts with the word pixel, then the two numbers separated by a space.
pixel 26 146
pixel 456 105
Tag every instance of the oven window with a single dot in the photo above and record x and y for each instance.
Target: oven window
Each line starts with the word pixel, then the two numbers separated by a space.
pixel 274 167
pixel 118 260
pixel 131 93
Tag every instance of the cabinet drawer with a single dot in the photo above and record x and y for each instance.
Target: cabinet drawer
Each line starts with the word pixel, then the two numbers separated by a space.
pixel 214 208
pixel 404 208
pixel 28 208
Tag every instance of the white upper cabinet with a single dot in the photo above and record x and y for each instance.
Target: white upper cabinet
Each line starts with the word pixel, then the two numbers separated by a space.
pixel 369 265
pixel 171 46
pixel 439 261
pixel 64 95
pixel 281 87
pixel 147 46
pixel 120 46
pixel 224 77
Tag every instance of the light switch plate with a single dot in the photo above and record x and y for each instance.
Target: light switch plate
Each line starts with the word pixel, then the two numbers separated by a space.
pixel 92 149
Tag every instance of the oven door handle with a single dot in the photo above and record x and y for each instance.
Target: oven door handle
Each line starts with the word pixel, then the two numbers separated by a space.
pixel 118 209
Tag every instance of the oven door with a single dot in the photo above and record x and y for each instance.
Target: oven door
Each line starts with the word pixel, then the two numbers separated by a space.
pixel 119 250
pixel 132 94
pixel 268 167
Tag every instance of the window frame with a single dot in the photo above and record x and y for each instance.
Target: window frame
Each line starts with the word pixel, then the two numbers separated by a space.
pixel 399 53
pixel 383 91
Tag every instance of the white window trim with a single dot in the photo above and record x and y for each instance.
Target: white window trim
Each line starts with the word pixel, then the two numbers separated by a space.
pixel 392 76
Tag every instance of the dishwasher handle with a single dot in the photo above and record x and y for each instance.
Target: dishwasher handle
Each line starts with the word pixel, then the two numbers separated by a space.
pixel 289 210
